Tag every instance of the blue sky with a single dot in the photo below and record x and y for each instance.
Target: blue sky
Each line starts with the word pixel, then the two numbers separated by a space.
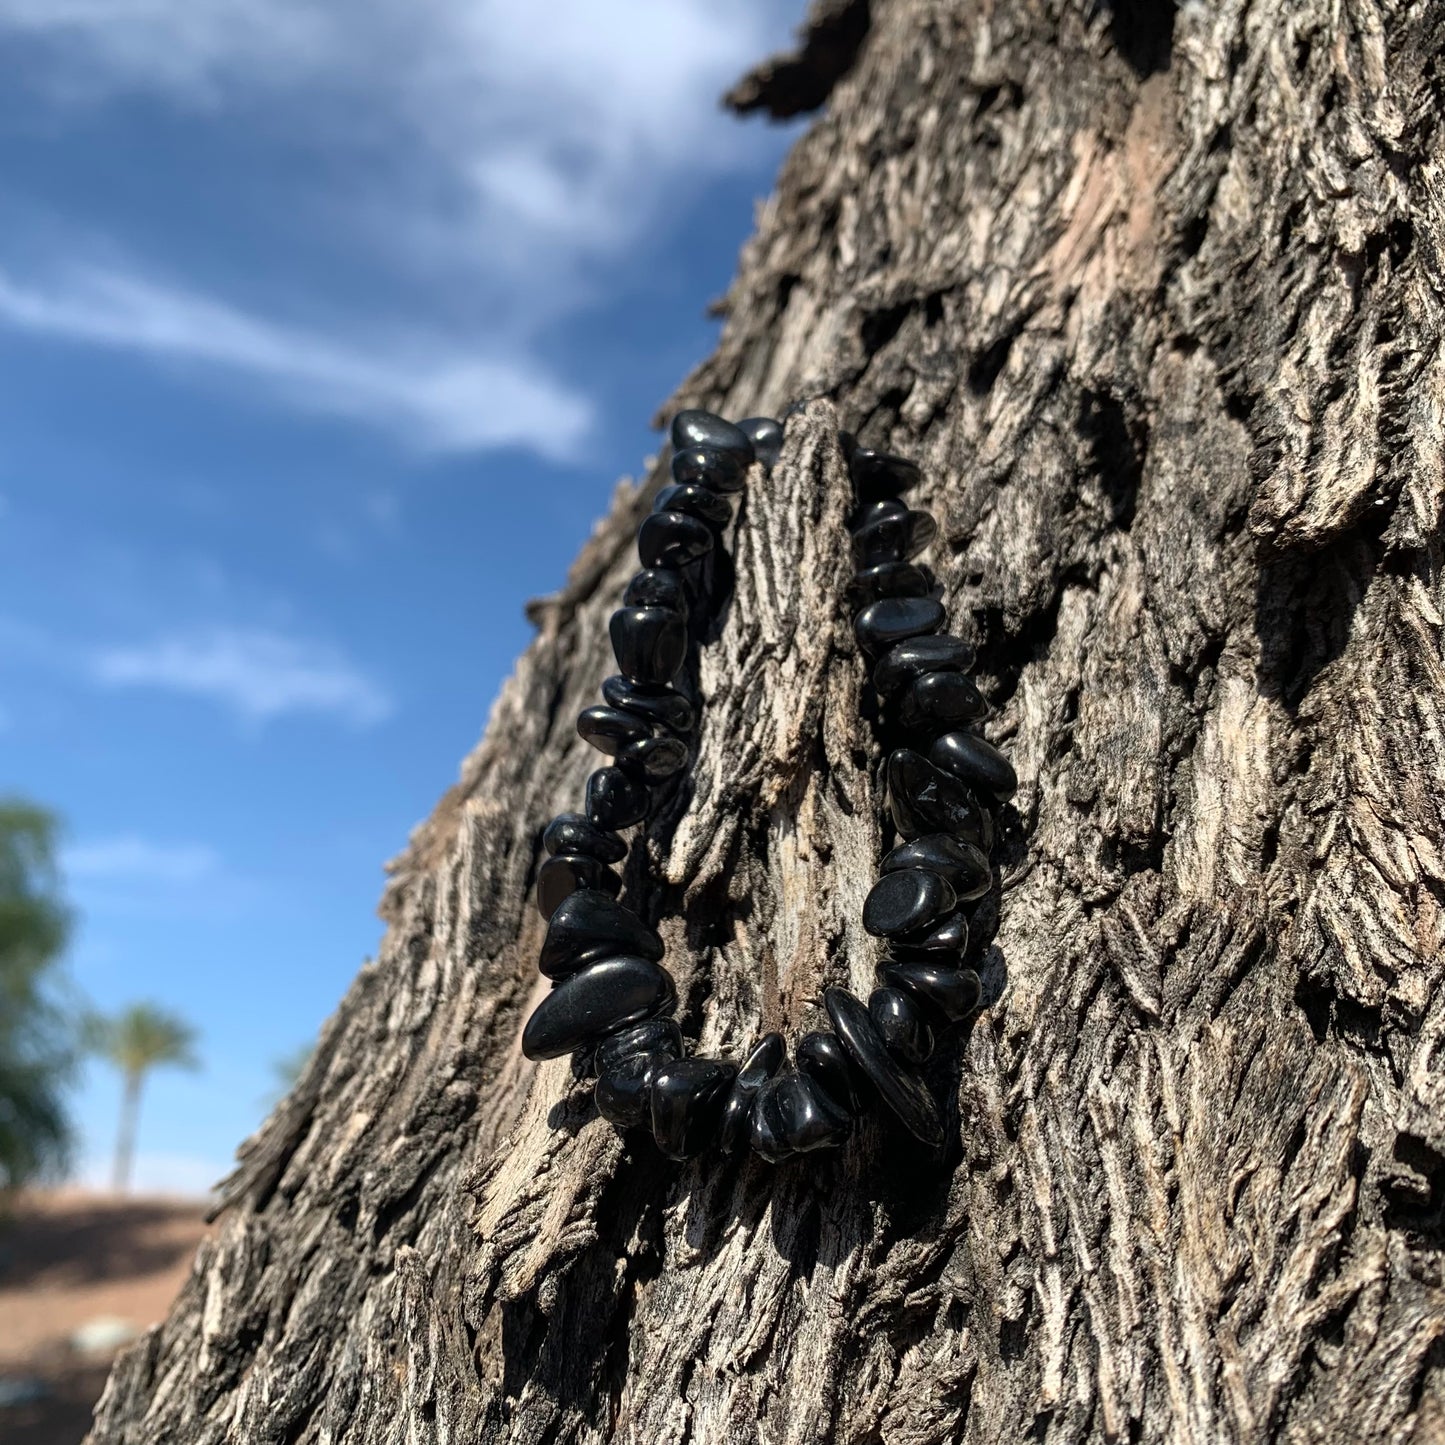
pixel 325 333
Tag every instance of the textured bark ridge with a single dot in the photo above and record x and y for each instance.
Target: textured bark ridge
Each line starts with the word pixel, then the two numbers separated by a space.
pixel 1156 298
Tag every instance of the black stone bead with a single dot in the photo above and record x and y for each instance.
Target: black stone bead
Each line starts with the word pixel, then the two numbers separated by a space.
pixel 687 1103
pixel 924 800
pixel 792 1116
pixel 907 901
pixel 893 538
pixel 900 1024
pixel 880 474
pixel 764 1060
pixel 610 729
pixel 943 943
pixel 595 1001
pixel 654 760
pixel 572 833
pixel 872 512
pixel 670 539
pixel 615 800
pixel 918 655
pixel 623 1092
pixel 653 1036
pixel 649 642
pixel 657 704
pixel 965 865
pixel 952 993
pixel 589 925
pixel 703 429
pixel 697 501
pixel 882 624
pixel 657 587
pixel 976 762
pixel 940 700
pixel 707 467
pixel 900 1089
pixel 825 1061
pixel 561 876
pixel 766 435
pixel 891 579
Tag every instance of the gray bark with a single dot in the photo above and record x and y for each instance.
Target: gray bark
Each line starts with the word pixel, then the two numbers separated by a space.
pixel 1156 298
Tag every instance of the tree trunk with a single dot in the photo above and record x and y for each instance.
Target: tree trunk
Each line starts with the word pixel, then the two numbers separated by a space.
pixel 125 1131
pixel 1155 297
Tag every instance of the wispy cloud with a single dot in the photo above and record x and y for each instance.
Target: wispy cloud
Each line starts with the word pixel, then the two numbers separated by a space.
pixel 261 675
pixel 129 858
pixel 434 397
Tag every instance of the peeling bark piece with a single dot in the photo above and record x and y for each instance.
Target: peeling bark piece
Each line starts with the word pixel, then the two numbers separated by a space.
pixel 623 1093
pixel 898 1087
pixel 825 1061
pixel 791 1116
pixel 764 1060
pixel 900 1024
pixel 964 865
pixel 572 833
pixel 925 800
pixel 611 729
pixel 589 925
pixel 615 800
pixel 940 700
pixel 766 435
pixel 648 642
pixel 976 762
pixel 657 587
pixel 659 704
pixel 906 901
pixel 693 500
pixel 687 1103
pixel 703 429
pixel 952 993
pixel 594 1002
pixel 707 467
pixel 918 655
pixel 891 620
pixel 562 875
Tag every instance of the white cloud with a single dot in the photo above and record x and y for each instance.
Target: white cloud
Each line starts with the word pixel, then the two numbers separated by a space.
pixel 261 675
pixel 447 401
pixel 133 859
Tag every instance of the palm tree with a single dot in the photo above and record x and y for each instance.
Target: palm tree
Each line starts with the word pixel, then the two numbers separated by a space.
pixel 138 1039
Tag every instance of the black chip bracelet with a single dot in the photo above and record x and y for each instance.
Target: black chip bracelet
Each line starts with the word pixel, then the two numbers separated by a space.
pixel 612 1001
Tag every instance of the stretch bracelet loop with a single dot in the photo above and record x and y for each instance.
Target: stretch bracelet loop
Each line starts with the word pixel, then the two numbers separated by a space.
pixel 612 1000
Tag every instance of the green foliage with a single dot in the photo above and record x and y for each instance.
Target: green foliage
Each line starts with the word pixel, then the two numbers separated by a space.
pixel 142 1037
pixel 36 1045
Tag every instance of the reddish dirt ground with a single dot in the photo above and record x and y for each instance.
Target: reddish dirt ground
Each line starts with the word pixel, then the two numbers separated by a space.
pixel 67 1258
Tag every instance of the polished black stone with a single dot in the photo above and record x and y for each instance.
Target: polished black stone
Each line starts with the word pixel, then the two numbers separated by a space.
pixel 976 762
pixel 697 501
pixel 595 1001
pixel 907 901
pixel 943 943
pixel 670 539
pixel 610 729
pixel 892 579
pixel 764 1060
pixel 687 1103
pixel 793 1116
pixel 888 621
pixel 649 643
pixel 615 800
pixel 653 1036
pixel 918 655
pixel 657 587
pixel 703 429
pixel 825 1061
pixel 900 1024
pixel 572 833
pixel 707 467
pixel 953 993
pixel 898 1086
pixel 766 435
pixel 892 538
pixel 654 760
pixel 562 875
pixel 623 1092
pixel 925 800
pixel 940 700
pixel 872 512
pixel 965 865
pixel 664 705
pixel 881 474
pixel 589 925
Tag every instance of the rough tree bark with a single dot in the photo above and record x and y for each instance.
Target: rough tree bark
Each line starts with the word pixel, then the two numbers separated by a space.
pixel 1156 297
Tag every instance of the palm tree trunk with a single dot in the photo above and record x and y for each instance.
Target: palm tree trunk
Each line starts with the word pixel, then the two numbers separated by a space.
pixel 126 1132
pixel 1155 296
